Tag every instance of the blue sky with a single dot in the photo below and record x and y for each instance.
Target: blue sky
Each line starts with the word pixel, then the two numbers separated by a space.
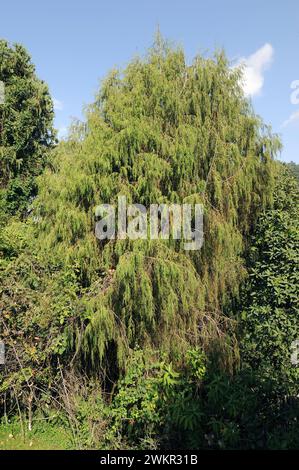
pixel 75 43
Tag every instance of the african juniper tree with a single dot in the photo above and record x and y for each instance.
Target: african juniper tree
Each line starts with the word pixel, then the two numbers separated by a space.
pixel 159 131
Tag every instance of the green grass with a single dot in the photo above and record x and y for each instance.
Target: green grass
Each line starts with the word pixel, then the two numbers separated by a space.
pixel 43 437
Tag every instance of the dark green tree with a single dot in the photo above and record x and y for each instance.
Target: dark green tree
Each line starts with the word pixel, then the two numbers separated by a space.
pixel 270 323
pixel 294 167
pixel 26 131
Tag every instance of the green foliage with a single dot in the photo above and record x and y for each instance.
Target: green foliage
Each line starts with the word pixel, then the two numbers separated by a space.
pixel 140 344
pixel 154 404
pixel 25 128
pixel 270 323
pixel 200 407
pixel 294 167
pixel 160 131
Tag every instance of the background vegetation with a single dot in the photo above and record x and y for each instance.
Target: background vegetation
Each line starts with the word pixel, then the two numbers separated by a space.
pixel 122 344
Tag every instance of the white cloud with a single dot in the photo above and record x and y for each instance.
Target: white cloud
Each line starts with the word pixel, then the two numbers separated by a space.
pixel 254 67
pixel 293 118
pixel 58 105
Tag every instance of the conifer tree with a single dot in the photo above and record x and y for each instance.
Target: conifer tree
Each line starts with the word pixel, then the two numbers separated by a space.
pixel 26 131
pixel 159 131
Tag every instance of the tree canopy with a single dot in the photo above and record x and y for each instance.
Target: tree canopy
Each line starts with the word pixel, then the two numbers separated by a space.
pixel 26 130
pixel 187 344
